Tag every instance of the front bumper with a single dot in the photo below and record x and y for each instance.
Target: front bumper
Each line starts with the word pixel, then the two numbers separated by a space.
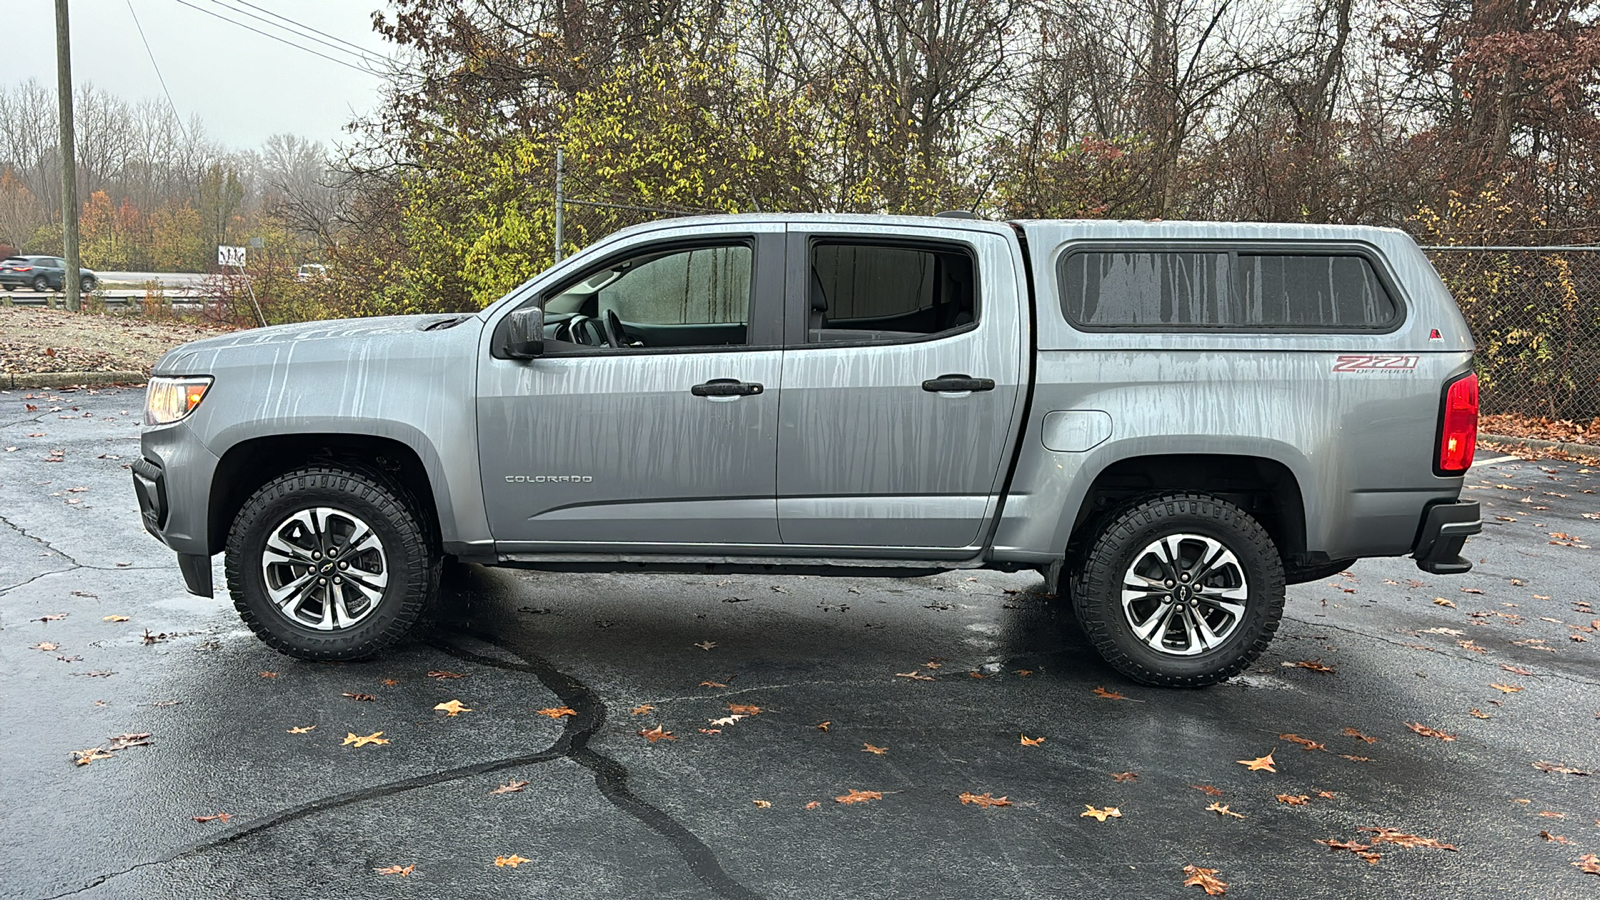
pixel 150 487
pixel 1445 528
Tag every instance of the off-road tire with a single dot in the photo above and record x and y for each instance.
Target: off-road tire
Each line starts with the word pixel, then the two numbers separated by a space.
pixel 412 562
pixel 1126 531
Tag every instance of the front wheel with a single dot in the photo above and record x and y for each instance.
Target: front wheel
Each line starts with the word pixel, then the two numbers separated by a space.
pixel 86 284
pixel 330 563
pixel 1181 590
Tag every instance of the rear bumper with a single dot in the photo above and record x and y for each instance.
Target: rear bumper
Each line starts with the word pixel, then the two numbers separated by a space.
pixel 1445 528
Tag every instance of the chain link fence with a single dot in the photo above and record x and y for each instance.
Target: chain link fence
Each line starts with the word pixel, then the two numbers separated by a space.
pixel 1535 315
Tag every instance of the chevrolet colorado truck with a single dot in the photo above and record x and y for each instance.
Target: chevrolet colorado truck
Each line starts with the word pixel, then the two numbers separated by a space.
pixel 1169 420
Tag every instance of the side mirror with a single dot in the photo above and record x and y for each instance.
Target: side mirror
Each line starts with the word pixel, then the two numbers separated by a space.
pixel 525 333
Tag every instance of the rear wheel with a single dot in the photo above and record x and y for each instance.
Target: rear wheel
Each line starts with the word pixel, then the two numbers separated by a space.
pixel 330 563
pixel 1180 590
pixel 41 283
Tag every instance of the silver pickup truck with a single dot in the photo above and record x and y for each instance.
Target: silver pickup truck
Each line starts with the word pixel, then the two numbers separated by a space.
pixel 1169 420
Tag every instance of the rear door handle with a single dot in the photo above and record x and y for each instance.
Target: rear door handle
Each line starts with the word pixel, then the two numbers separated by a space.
pixel 951 384
pixel 726 387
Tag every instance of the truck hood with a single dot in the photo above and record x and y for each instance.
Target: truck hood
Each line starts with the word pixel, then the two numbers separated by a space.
pixel 354 337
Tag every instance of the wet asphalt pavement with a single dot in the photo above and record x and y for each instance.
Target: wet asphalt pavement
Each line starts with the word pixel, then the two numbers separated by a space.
pixel 943 675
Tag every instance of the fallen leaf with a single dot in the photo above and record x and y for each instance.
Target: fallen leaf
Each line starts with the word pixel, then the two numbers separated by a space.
pixel 1477 713
pixel 84 757
pixel 1208 790
pixel 389 682
pixel 269 674
pixel 725 721
pixel 762 804
pixel 643 708
pixel 858 796
pixel 219 817
pixel 823 726
pixel 440 674
pixel 711 731
pixel 1326 795
pixel 1222 809
pixel 716 684
pixel 113 618
pixel 1471 591
pixel 814 804
pixel 513 860
pixel 1554 838
pixel 1206 879
pixel 1359 736
pixel 363 698
pixel 375 738
pixel 706 645
pixel 1293 799
pixel 1506 688
pixel 744 710
pixel 1022 673
pixel 1400 838
pixel 1356 758
pixel 914 676
pixel 124 741
pixel 1124 777
pixel 1440 601
pixel 557 712
pixel 984 800
pixel 656 734
pixel 1554 769
pixel 1425 731
pixel 453 708
pixel 1100 815
pixel 1260 763
pixel 876 751
pixel 402 871
pixel 1314 665
pixel 54 617
pixel 1547 814
pixel 510 787
pixel 1589 864
pixel 1305 743
pixel 1108 695
pixel 1031 742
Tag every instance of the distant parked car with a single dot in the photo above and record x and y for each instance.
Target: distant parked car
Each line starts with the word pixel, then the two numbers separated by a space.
pixel 311 272
pixel 42 273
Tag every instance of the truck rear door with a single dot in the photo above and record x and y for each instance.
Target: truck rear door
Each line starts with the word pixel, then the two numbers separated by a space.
pixel 902 385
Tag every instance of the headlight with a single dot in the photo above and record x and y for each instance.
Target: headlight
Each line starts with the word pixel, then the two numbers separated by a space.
pixel 167 400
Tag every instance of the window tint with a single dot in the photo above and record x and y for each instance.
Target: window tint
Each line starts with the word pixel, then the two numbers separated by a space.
pixel 864 292
pixel 1219 290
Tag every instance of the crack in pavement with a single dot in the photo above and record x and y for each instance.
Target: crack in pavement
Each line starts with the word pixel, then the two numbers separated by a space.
pixel 610 777
pixel 41 541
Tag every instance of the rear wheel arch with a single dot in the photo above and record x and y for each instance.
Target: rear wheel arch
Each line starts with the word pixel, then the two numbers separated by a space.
pixel 249 464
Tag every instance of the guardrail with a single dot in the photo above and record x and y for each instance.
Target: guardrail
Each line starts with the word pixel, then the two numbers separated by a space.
pixel 112 298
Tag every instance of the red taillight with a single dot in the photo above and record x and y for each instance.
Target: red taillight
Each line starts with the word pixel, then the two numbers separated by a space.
pixel 23 269
pixel 1458 427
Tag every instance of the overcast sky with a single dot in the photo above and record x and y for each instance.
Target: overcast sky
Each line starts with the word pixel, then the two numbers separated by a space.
pixel 244 86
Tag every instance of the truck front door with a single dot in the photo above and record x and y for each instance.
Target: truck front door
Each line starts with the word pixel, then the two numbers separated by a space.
pixel 650 421
pixel 900 386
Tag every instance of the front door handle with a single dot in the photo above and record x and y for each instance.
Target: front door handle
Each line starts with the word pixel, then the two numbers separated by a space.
pixel 726 387
pixel 951 384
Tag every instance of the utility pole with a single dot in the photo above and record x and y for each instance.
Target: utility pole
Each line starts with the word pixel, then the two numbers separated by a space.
pixel 561 203
pixel 69 159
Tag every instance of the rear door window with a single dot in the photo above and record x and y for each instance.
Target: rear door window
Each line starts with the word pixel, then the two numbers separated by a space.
pixel 1218 290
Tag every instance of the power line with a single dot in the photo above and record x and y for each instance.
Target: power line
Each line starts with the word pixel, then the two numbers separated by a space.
pixel 279 39
pixel 177 116
pixel 306 27
pixel 362 55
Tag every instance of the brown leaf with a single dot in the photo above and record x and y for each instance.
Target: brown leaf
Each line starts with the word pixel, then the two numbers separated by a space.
pixel 46 646
pixel 1260 763
pixel 1554 769
pixel 1100 815
pixel 1314 665
pixel 1205 879
pixel 219 817
pixel 914 676
pixel 1400 838
pixel 744 710
pixel 402 871
pixel 1326 795
pixel 376 738
pixel 301 729
pixel 84 757
pixel 1477 713
pixel 814 804
pixel 1554 838
pixel 1506 688
pixel 557 712
pixel 1359 736
pixel 984 800
pixel 656 734
pixel 452 708
pixel 510 787
pixel 441 674
pixel 269 674
pixel 1293 799
pixel 1124 777
pixel 124 741
pixel 1208 790
pixel 1222 809
pixel 706 645
pixel 1425 731
pixel 857 796
pixel 1440 601
pixel 513 860
pixel 643 708
pixel 711 731
pixel 1031 742
pixel 1108 695
pixel 762 804
pixel 876 751
pixel 1516 670
pixel 1589 864
pixel 1305 743
pixel 389 682
pixel 1356 758
pixel 716 684
pixel 1471 591
pixel 364 698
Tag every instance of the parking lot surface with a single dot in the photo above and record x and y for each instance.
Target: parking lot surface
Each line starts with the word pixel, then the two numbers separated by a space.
pixel 822 731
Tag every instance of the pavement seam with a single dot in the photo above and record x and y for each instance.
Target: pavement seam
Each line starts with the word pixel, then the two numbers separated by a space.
pixel 22 584
pixel 46 544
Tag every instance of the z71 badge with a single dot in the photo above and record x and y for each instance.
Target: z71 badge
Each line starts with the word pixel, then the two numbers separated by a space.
pixel 1374 362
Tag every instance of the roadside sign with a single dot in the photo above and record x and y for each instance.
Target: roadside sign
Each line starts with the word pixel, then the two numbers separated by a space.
pixel 230 256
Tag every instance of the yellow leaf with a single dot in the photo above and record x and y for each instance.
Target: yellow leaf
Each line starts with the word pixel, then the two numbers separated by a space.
pixel 556 712
pixel 374 738
pixel 302 729
pixel 113 618
pixel 1031 742
pixel 453 708
pixel 1260 763
pixel 513 860
pixel 1100 815
pixel 877 751
pixel 1222 809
